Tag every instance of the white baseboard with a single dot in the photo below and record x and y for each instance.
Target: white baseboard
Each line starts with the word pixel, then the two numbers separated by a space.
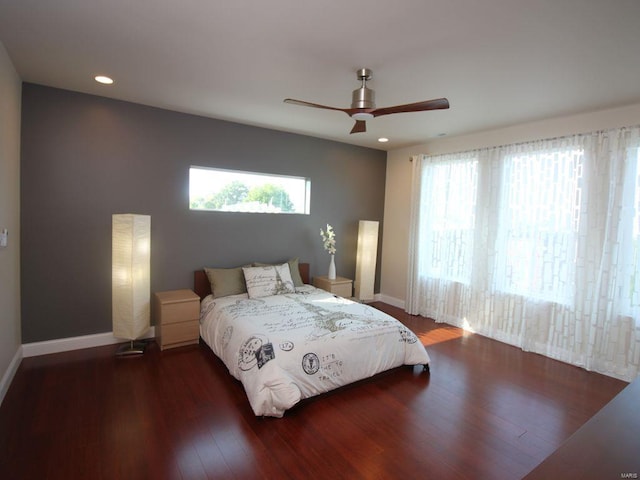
pixel 74 343
pixel 10 373
pixel 57 346
pixel 396 302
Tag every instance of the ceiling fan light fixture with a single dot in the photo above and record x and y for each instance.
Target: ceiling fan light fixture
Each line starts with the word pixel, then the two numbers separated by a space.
pixel 362 116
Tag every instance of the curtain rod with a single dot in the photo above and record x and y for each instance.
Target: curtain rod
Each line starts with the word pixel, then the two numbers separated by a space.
pixel 550 139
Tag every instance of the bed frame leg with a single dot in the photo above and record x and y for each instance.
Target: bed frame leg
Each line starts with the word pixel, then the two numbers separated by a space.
pixel 426 368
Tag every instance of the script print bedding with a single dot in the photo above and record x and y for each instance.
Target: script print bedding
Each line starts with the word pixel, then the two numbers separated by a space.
pixel 284 348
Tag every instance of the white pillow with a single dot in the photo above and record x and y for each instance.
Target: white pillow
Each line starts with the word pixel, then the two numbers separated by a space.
pixel 268 280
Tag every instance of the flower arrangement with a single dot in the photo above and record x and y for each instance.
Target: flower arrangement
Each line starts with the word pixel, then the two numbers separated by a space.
pixel 329 239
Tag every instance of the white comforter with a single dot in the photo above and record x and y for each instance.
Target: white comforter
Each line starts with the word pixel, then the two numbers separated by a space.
pixel 287 347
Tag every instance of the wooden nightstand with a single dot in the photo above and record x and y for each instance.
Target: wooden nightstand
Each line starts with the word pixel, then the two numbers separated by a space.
pixel 341 286
pixel 177 315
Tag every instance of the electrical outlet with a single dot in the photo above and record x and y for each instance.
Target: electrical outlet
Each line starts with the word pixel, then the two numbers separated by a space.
pixel 4 236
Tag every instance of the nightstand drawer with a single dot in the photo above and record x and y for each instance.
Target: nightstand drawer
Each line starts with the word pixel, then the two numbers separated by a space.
pixel 182 333
pixel 179 312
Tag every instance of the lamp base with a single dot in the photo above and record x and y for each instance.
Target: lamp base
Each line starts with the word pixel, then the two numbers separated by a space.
pixel 131 348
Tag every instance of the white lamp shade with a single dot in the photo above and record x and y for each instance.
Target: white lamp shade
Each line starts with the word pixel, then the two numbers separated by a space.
pixel 130 292
pixel 366 259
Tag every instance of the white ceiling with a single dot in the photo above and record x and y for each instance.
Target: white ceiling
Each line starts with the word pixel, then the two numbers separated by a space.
pixel 499 62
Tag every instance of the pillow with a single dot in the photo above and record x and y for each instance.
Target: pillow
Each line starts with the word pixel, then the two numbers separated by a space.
pixel 294 270
pixel 226 281
pixel 268 280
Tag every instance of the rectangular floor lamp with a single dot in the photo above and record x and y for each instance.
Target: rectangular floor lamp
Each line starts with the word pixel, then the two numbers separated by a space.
pixel 130 275
pixel 366 260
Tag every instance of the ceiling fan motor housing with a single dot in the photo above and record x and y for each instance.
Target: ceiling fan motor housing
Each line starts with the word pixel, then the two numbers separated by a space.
pixel 363 97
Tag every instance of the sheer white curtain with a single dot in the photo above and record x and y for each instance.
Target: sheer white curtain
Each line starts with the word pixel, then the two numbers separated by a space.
pixel 536 245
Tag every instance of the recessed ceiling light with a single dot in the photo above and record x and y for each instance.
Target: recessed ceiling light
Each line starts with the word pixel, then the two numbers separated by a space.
pixel 383 139
pixel 104 80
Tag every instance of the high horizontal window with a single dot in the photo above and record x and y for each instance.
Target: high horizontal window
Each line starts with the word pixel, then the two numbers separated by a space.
pixel 237 191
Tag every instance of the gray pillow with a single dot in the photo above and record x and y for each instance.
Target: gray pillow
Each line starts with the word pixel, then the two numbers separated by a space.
pixel 226 281
pixel 295 272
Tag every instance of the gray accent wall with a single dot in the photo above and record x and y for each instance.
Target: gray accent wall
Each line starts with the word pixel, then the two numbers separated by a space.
pixel 85 158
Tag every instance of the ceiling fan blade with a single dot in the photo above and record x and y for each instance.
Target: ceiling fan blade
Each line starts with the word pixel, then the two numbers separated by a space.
pixel 436 104
pixel 359 127
pixel 302 103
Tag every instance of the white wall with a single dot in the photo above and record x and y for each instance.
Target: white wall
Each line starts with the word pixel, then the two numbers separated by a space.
pixel 398 183
pixel 10 337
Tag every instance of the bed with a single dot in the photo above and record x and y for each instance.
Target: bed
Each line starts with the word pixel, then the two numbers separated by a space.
pixel 287 340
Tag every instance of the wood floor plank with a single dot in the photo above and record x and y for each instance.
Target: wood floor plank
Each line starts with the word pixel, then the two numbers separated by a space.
pixel 487 410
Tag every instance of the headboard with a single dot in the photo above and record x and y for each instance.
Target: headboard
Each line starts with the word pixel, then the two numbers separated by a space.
pixel 202 287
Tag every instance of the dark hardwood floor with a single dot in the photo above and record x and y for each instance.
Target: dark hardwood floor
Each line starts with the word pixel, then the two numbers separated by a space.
pixel 486 411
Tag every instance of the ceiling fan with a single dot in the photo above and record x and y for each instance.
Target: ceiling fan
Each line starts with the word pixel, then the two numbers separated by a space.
pixel 363 106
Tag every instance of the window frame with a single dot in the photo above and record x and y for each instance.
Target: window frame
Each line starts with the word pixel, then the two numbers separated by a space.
pixel 301 206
